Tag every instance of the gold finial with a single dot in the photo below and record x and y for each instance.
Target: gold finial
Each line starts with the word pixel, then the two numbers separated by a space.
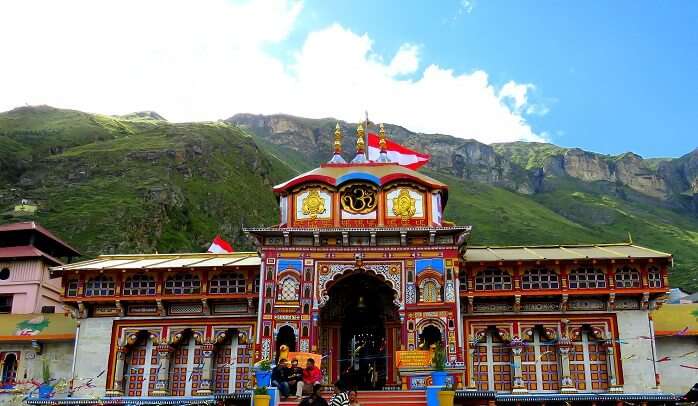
pixel 381 143
pixel 360 143
pixel 337 139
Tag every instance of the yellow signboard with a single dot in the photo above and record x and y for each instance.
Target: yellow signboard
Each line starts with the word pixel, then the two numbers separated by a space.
pixel 302 358
pixel 413 359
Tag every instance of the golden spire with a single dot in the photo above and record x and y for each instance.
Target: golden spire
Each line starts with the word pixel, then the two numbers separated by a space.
pixel 381 143
pixel 337 156
pixel 337 140
pixel 360 143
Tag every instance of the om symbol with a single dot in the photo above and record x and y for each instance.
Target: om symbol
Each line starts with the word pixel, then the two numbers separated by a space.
pixel 358 199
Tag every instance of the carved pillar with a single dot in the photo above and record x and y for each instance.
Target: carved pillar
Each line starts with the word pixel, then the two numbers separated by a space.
pixel 117 387
pixel 518 385
pixel 611 359
pixel 207 352
pixel 472 346
pixel 564 345
pixel 164 355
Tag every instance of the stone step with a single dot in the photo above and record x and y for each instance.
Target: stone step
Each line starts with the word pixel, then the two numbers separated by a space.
pixel 379 398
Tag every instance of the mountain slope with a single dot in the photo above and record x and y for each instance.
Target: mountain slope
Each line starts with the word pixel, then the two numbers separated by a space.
pixel 135 185
pixel 138 183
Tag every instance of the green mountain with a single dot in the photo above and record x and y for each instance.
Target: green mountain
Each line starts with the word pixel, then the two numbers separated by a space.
pixel 138 183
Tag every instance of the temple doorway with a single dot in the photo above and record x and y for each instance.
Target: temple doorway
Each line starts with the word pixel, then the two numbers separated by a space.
pixel 359 308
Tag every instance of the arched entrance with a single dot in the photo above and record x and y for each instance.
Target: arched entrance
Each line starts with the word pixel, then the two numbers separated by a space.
pixel 286 336
pixel 359 308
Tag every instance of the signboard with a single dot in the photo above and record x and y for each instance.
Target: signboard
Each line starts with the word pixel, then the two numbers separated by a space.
pixel 413 359
pixel 302 358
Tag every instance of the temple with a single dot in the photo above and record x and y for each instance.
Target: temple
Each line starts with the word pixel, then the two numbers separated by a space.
pixel 363 271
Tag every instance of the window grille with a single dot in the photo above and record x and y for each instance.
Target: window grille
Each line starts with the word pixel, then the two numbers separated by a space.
pixel 101 285
pixel 71 288
pixel 183 284
pixel 139 285
pixel 255 284
pixel 288 291
pixel 587 278
pixel 492 279
pixel 627 277
pixel 228 282
pixel 654 277
pixel 540 278
pixel 463 280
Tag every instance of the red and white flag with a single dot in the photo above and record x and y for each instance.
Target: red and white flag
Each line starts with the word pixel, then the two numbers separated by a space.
pixel 220 246
pixel 396 153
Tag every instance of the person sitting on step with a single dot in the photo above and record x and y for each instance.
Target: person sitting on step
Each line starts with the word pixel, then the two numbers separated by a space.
pixel 315 399
pixel 279 378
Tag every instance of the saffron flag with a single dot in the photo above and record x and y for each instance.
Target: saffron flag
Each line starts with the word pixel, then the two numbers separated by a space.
pixel 396 153
pixel 220 246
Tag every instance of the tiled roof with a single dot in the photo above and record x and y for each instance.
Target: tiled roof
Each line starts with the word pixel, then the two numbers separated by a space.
pixel 163 261
pixel 560 252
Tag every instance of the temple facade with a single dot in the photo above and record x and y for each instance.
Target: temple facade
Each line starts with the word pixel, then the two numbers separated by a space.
pixel 363 272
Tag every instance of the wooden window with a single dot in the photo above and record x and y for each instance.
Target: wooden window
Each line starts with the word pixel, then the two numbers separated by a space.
pixel 255 284
pixel 139 285
pixel 183 284
pixel 71 287
pixel 492 279
pixel 288 289
pixel 539 365
pixel 224 380
pixel 654 278
pixel 492 364
pixel 101 285
pixel 463 280
pixel 588 364
pixel 540 278
pixel 228 282
pixel 627 277
pixel 140 368
pixel 587 278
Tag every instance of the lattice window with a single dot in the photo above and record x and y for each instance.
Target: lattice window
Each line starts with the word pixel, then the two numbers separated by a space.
pixel 627 277
pixel 492 279
pixel 101 285
pixel 183 284
pixel 71 287
pixel 429 291
pixel 288 289
pixel 493 364
pixel 139 285
pixel 654 278
pixel 587 278
pixel 539 365
pixel 228 282
pixel 540 278
pixel 589 364
pixel 255 284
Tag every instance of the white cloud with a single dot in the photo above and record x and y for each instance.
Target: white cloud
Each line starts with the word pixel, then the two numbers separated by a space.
pixel 208 60
pixel 467 6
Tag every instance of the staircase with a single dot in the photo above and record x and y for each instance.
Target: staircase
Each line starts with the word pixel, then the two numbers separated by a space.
pixel 379 398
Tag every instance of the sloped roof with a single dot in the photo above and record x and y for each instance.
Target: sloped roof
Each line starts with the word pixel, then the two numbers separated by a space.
pixel 163 261
pixel 676 319
pixel 33 226
pixel 27 251
pixel 560 252
pixel 41 327
pixel 377 173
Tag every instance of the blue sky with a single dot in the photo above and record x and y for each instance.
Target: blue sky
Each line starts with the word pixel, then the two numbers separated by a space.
pixel 606 76
pixel 615 75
